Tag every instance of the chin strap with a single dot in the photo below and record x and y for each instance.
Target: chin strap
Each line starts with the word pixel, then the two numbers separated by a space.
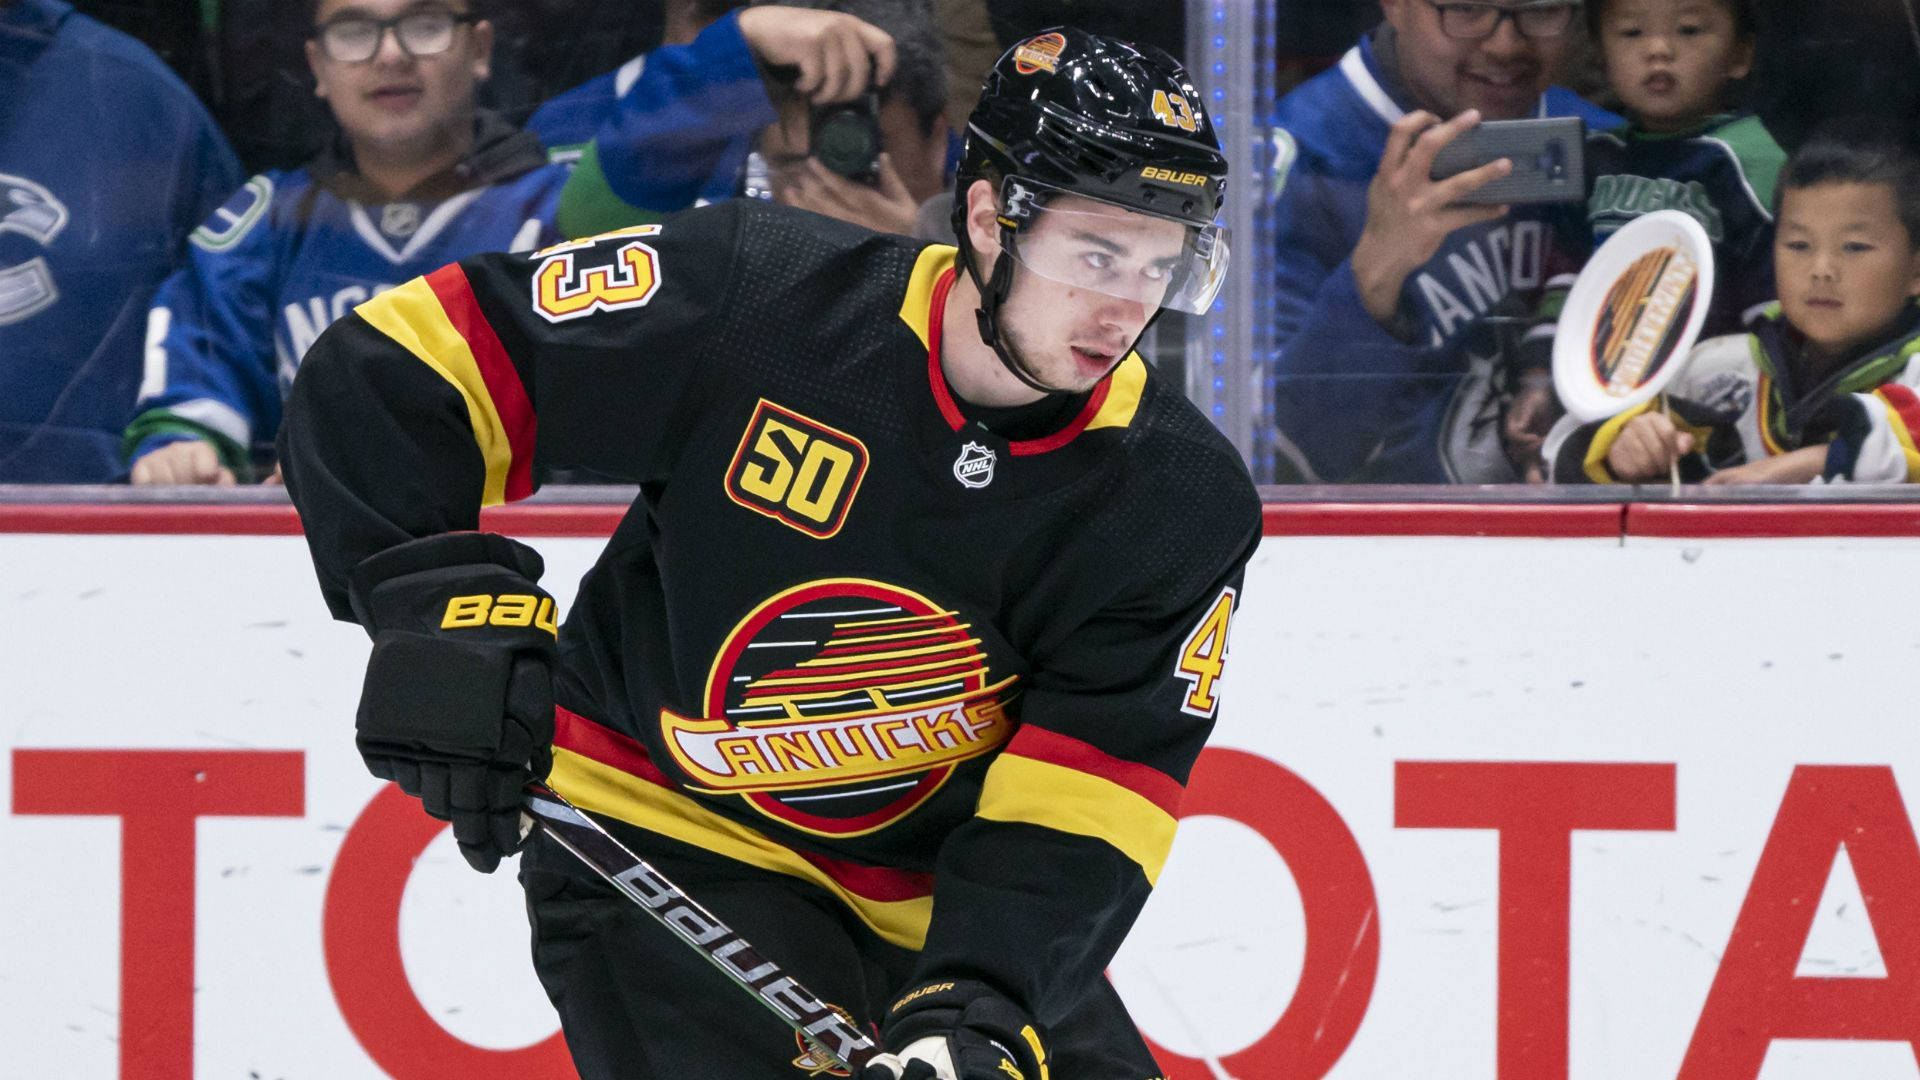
pixel 993 292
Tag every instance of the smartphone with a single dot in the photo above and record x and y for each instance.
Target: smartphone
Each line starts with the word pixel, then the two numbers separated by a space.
pixel 1548 155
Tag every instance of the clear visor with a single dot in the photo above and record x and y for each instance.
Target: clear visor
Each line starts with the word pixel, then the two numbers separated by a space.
pixel 1156 262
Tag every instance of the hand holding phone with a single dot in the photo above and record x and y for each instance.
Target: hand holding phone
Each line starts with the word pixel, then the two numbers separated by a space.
pixel 1410 214
pixel 1548 156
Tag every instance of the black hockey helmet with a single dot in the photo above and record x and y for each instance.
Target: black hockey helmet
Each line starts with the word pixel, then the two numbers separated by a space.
pixel 1069 112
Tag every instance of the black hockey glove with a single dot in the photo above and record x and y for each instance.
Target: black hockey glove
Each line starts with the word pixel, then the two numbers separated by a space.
pixel 458 704
pixel 958 1030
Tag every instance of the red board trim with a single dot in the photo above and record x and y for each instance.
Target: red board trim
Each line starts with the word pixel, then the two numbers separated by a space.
pixel 1677 520
pixel 1682 520
pixel 1441 519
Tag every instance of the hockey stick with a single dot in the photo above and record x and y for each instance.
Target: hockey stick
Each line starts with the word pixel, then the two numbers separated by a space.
pixel 822 1025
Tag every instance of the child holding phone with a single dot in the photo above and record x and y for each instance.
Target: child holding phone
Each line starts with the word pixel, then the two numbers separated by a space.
pixel 1824 385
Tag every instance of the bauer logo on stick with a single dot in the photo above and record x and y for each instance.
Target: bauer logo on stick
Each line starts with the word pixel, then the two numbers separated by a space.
pixel 1633 315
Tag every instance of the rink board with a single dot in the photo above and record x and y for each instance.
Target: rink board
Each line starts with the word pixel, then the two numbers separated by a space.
pixel 1524 792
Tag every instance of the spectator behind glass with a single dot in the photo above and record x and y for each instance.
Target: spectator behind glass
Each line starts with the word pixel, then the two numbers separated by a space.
pixel 1673 64
pixel 673 128
pixel 419 178
pixel 107 162
pixel 1824 386
pixel 1385 370
pixel 911 169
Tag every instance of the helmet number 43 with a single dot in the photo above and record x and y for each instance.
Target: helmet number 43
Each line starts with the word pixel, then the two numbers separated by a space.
pixel 1173 111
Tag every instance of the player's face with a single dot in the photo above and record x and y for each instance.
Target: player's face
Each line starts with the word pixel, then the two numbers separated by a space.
pixel 1502 74
pixel 419 81
pixel 1670 60
pixel 1089 276
pixel 1843 263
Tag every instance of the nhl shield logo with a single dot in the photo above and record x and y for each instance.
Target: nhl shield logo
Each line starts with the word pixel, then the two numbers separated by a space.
pixel 400 219
pixel 974 467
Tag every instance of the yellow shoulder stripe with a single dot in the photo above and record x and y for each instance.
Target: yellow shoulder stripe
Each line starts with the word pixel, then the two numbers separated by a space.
pixel 412 316
pixel 914 307
pixel 1123 394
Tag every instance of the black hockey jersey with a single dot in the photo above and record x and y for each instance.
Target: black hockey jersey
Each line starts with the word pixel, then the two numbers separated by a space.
pixel 844 633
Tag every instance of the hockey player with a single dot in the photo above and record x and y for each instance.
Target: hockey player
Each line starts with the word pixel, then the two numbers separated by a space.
pixel 901 659
pixel 419 178
pixel 1827 384
pixel 1385 370
pixel 107 162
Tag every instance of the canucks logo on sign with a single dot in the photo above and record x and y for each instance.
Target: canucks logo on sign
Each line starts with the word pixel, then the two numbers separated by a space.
pixel 974 467
pixel 838 706
pixel 1643 316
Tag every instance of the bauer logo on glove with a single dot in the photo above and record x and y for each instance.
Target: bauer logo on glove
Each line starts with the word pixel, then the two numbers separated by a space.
pixel 959 1030
pixel 457 707
pixel 513 609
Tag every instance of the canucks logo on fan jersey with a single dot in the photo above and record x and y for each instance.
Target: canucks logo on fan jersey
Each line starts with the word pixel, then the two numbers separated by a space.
pixel 30 210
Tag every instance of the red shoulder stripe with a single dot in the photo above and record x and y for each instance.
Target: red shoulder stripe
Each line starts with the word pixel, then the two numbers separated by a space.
pixel 455 292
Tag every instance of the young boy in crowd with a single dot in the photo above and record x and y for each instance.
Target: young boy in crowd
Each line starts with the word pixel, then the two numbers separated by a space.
pixel 1824 385
pixel 420 176
pixel 1674 65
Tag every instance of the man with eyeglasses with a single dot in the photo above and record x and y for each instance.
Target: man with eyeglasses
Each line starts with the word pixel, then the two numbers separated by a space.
pixel 419 176
pixel 1388 369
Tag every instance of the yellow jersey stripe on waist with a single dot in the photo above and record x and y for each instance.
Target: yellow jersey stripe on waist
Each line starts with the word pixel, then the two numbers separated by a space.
pixel 603 789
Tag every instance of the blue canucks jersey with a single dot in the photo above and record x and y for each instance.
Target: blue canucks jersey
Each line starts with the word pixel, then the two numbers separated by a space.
pixel 107 162
pixel 1354 402
pixel 1721 173
pixel 293 251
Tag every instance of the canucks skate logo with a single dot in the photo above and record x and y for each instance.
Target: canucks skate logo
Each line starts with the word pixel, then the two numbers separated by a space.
pixel 840 705
pixel 974 467
pixel 32 211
